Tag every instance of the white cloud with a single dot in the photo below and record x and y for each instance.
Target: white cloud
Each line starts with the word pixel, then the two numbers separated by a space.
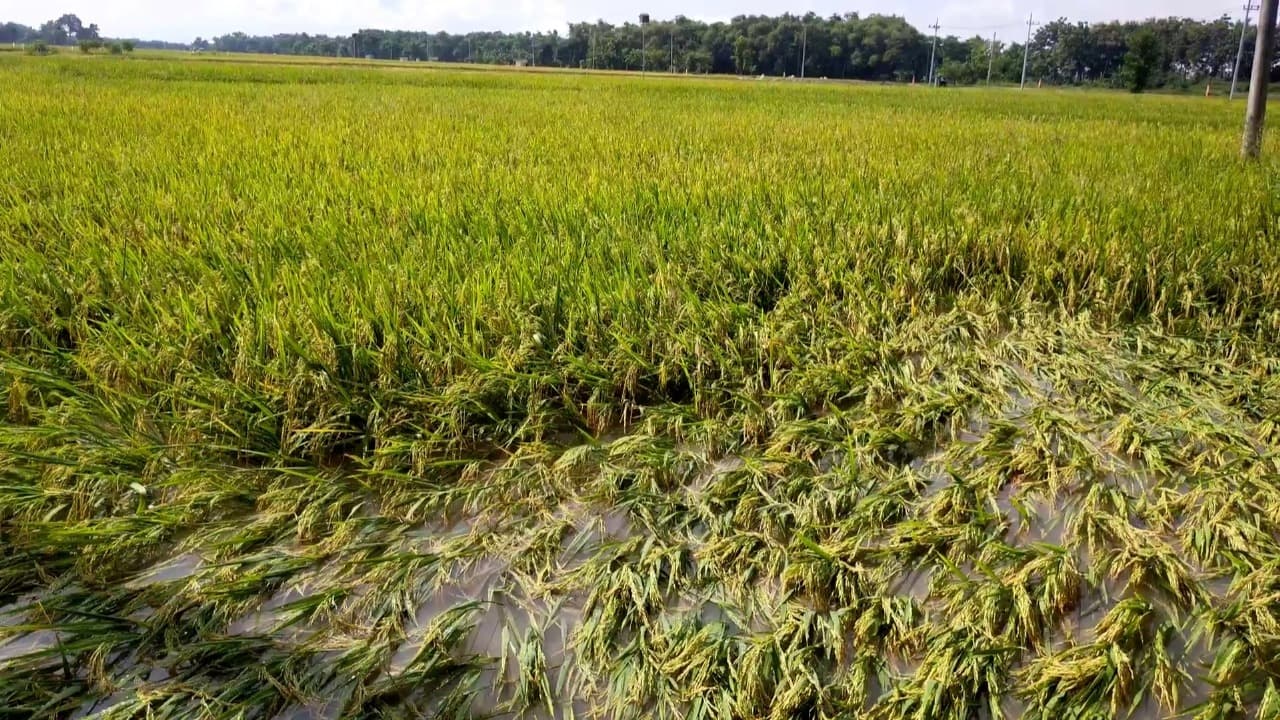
pixel 182 21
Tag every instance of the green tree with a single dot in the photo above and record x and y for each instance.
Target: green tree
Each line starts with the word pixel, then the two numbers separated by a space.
pixel 1142 60
pixel 66 28
pixel 744 56
pixel 12 32
pixel 875 47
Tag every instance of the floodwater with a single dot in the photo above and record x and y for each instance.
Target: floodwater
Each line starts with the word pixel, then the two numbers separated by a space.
pixel 508 616
pixel 37 641
pixel 173 569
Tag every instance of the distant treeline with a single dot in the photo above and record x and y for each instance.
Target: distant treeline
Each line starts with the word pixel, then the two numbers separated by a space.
pixel 875 47
pixel 70 30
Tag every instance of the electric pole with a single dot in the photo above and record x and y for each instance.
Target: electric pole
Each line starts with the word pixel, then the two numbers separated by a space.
pixel 1251 147
pixel 533 51
pixel 991 58
pixel 933 54
pixel 1026 50
pixel 673 50
pixel 804 47
pixel 1249 7
pixel 644 48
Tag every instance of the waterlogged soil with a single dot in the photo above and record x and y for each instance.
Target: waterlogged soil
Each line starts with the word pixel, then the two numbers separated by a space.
pixel 508 609
pixel 1033 537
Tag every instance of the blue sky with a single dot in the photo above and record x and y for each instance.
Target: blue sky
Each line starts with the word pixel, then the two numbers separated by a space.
pixel 183 20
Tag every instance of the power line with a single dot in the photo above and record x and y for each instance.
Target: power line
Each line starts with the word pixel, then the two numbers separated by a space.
pixel 984 27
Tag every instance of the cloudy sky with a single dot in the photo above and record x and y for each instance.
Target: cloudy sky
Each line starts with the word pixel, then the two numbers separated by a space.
pixel 183 20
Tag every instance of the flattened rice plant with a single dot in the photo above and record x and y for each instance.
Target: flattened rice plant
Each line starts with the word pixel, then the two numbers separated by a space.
pixel 354 391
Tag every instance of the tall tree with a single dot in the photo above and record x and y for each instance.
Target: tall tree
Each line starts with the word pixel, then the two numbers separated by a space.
pixel 1141 61
pixel 66 30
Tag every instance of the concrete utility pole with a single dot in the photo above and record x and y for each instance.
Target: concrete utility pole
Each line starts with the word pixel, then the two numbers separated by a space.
pixel 644 48
pixel 933 54
pixel 804 47
pixel 1251 147
pixel 673 50
pixel 533 51
pixel 1249 7
pixel 991 58
pixel 1026 50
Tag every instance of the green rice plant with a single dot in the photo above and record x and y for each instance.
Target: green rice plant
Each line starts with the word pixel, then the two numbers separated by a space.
pixel 360 391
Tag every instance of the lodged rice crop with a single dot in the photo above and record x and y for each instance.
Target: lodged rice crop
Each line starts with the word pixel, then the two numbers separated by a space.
pixel 355 391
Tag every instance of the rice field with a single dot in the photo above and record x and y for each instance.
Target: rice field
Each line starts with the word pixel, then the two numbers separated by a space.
pixel 386 392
